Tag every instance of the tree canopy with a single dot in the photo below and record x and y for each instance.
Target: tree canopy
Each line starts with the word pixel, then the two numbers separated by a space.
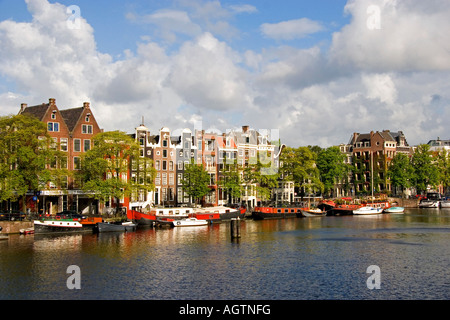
pixel 29 157
pixel 105 167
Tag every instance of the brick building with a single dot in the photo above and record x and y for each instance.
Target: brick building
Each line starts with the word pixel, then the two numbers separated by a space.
pixel 375 149
pixel 72 131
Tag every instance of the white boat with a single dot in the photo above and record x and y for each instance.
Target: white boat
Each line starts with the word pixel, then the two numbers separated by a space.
pixel 189 222
pixel 445 203
pixel 313 213
pixel 429 203
pixel 394 210
pixel 367 210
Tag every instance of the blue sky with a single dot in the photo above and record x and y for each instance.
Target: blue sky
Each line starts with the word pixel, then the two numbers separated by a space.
pixel 315 70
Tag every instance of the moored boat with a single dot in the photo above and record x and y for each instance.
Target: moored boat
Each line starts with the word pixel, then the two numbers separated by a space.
pixel 344 209
pixel 445 203
pixel 394 210
pixel 313 213
pixel 219 213
pixel 155 214
pixel 367 210
pixel 116 227
pixel 189 222
pixel 27 231
pixel 61 226
pixel 428 203
pixel 269 212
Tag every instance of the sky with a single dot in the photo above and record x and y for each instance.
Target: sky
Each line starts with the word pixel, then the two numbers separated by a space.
pixel 313 71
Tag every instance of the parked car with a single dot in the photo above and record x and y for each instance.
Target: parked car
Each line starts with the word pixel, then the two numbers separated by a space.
pixel 12 216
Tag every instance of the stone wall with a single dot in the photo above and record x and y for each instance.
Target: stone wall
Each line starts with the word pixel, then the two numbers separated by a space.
pixel 10 227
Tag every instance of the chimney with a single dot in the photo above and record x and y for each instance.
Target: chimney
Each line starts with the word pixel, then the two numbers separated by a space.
pixel 23 106
pixel 51 101
pixel 245 128
pixel 86 105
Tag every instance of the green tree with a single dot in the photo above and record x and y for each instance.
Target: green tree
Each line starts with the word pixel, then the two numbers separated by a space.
pixel 195 181
pixel 263 176
pixel 400 171
pixel 28 157
pixel 230 180
pixel 443 164
pixel 331 165
pixel 104 168
pixel 299 165
pixel 425 172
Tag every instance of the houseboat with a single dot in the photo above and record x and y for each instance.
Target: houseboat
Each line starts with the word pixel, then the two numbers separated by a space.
pixel 155 214
pixel 66 225
pixel 275 212
pixel 219 213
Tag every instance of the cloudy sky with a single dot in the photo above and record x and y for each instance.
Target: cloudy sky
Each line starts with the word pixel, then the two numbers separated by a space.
pixel 315 70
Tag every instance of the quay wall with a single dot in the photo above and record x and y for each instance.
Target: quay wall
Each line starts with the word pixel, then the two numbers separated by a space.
pixel 405 203
pixel 11 227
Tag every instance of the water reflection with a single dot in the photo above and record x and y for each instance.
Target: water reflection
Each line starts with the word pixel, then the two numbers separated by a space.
pixel 308 258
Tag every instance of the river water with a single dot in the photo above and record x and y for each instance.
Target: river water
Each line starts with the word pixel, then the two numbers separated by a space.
pixel 289 259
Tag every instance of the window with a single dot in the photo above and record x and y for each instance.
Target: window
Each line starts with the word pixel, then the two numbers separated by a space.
pixel 164 165
pixel 63 144
pixel 53 126
pixel 180 165
pixel 165 143
pixel 164 178
pixel 86 128
pixel 77 145
pixel 164 153
pixel 157 164
pixel 171 178
pixel 76 163
pixel 63 163
pixel 170 165
pixel 87 145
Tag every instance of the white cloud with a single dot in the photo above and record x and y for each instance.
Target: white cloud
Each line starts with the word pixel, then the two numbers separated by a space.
pixel 244 8
pixel 412 36
pixel 393 78
pixel 292 29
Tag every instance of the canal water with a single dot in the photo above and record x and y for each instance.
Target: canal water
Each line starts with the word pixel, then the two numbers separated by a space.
pixel 289 259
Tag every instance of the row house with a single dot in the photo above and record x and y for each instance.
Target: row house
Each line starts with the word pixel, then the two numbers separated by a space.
pixel 373 152
pixel 171 154
pixel 186 152
pixel 72 131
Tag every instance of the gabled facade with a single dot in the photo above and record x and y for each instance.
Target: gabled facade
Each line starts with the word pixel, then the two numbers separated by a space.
pixel 72 131
pixel 374 151
pixel 186 152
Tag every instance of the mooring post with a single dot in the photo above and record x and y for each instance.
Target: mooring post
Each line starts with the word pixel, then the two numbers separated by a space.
pixel 235 228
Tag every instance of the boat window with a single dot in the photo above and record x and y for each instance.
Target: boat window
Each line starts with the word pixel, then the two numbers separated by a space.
pixel 227 210
pixel 170 211
pixel 187 211
pixel 161 212
pixel 177 211
pixel 279 210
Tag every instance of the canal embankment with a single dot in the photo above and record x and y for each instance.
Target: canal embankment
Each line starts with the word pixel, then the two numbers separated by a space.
pixel 13 227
